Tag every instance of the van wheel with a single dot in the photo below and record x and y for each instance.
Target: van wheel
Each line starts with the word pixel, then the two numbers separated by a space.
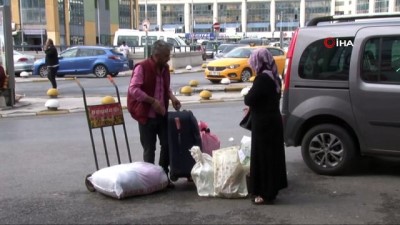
pixel 100 71
pixel 328 149
pixel 245 75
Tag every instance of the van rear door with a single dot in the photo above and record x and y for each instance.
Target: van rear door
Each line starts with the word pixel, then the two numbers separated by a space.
pixel 375 91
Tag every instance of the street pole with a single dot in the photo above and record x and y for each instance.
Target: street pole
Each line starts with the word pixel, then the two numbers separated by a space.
pixel 192 31
pixel 146 52
pixel 21 24
pixel 280 29
pixel 98 20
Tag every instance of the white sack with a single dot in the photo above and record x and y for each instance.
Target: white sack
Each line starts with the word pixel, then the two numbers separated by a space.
pixel 125 180
pixel 244 153
pixel 202 172
pixel 229 175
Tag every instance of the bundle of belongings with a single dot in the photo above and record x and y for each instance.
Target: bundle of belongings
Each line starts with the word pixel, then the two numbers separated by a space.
pixel 224 173
pixel 126 180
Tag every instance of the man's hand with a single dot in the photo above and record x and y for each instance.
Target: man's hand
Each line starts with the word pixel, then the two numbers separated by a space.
pixel 158 108
pixel 176 104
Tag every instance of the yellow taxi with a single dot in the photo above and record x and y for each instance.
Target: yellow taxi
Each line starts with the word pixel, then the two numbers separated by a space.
pixel 235 64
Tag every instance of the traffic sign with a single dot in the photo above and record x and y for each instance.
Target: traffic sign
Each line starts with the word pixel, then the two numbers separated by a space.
pixel 216 26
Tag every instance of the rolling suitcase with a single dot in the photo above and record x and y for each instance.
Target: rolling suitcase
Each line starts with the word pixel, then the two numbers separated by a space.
pixel 183 134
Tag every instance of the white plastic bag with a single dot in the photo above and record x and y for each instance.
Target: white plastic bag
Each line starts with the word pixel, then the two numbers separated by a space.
pixel 244 153
pixel 125 180
pixel 202 172
pixel 229 175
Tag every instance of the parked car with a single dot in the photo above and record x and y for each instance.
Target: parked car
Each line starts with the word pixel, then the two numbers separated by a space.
pixel 22 62
pixel 223 49
pixel 235 64
pixel 99 60
pixel 210 49
pixel 342 90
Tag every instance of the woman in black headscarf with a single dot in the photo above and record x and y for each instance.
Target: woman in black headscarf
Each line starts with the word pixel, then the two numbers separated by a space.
pixel 267 162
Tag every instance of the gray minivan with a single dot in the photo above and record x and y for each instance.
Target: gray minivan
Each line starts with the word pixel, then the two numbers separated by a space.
pixel 342 90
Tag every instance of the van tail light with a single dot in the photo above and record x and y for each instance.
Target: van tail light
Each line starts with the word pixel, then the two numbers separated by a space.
pixel 23 59
pixel 289 58
pixel 114 57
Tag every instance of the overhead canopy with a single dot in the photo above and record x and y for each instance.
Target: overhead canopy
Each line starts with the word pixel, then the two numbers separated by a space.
pixel 35 32
pixel 169 26
pixel 202 26
pixel 230 25
pixel 287 24
pixel 258 25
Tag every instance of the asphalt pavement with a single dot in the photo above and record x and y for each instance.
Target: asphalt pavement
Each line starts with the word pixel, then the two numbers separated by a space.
pixel 34 106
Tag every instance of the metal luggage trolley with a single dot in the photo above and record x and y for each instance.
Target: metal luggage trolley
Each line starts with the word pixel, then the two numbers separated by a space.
pixel 99 117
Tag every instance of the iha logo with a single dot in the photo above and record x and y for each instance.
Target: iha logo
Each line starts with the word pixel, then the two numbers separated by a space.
pixel 331 42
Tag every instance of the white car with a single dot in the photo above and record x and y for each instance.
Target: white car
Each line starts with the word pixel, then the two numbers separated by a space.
pixel 23 62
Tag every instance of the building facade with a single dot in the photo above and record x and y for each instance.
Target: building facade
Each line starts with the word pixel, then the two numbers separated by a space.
pixel 92 22
pixel 71 22
pixel 249 18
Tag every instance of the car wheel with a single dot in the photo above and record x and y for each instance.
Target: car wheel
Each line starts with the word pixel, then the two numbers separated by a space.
pixel 328 149
pixel 100 71
pixel 245 75
pixel 114 74
pixel 43 71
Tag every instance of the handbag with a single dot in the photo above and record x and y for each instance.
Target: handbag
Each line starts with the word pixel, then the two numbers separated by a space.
pixel 246 121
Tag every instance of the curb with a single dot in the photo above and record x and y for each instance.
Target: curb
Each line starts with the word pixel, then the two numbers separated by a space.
pixel 46 112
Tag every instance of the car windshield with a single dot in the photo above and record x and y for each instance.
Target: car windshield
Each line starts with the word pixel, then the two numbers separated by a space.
pixel 230 47
pixel 239 53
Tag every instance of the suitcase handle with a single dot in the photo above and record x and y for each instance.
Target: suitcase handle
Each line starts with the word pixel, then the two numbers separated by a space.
pixel 177 123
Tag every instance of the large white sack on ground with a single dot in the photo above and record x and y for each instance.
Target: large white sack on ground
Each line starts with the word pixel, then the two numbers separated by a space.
pixel 229 175
pixel 202 172
pixel 125 180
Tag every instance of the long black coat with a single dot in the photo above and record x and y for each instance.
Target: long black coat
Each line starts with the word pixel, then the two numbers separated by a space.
pixel 267 162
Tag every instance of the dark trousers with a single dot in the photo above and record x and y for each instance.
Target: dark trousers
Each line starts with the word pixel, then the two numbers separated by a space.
pixel 148 138
pixel 51 75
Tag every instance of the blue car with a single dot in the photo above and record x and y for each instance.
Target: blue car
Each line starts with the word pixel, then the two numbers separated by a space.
pixel 99 60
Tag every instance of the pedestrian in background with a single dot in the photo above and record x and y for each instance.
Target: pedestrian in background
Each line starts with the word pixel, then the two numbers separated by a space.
pixel 51 62
pixel 267 160
pixel 149 93
pixel 124 49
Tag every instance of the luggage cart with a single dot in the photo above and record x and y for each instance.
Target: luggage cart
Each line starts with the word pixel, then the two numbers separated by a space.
pixel 99 117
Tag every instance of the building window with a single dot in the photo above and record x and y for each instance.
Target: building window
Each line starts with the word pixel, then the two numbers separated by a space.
pixel 151 16
pixel 381 6
pixel 173 17
pixel 317 8
pixel 288 11
pixel 397 6
pixel 124 8
pixel 230 16
pixel 203 18
pixel 76 22
pixel 258 16
pixel 33 12
pixel 362 6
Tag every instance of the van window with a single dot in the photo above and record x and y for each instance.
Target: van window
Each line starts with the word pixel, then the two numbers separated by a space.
pixel 172 41
pixel 151 40
pixel 381 60
pixel 131 41
pixel 322 62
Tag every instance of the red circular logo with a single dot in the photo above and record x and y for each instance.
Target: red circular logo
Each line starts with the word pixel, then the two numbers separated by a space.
pixel 330 42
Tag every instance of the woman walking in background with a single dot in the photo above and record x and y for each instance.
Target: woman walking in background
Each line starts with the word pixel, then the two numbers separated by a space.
pixel 267 162
pixel 51 61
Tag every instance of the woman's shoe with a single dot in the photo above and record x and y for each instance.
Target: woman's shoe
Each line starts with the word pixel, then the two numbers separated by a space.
pixel 261 201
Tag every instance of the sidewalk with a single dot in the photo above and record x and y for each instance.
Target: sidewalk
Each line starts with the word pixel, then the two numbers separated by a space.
pixel 36 106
